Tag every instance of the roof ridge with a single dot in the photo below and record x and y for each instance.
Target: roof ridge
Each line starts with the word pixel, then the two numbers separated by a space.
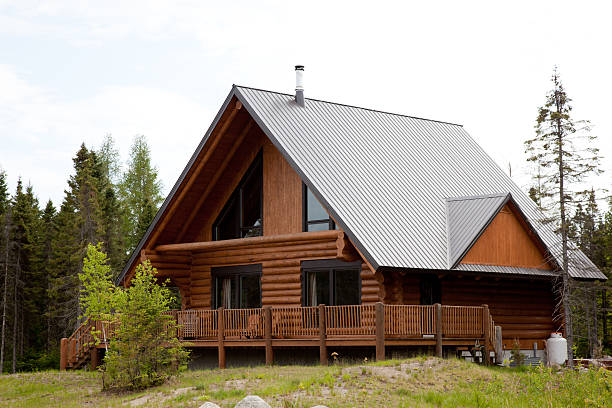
pixel 351 106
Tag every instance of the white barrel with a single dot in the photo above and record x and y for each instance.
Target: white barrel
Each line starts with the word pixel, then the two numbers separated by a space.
pixel 556 347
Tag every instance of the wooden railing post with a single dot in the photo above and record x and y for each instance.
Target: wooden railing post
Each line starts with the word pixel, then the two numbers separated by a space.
pixel 268 334
pixel 380 331
pixel 221 337
pixel 486 358
pixel 63 354
pixel 72 354
pixel 322 335
pixel 438 330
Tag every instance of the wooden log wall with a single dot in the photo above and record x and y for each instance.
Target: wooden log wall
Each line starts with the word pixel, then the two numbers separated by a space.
pixel 175 266
pixel 280 257
pixel 524 308
pixel 371 289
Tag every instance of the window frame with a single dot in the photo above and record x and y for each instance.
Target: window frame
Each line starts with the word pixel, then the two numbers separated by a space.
pixel 234 272
pixel 305 222
pixel 331 265
pixel 237 195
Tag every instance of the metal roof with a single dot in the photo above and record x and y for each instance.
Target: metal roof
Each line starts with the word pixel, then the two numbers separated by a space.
pixel 386 178
pixel 504 270
pixel 467 218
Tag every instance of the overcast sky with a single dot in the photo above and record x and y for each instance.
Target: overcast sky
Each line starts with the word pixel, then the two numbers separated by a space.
pixel 75 70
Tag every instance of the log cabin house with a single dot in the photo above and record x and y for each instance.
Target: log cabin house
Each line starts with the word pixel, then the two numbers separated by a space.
pixel 304 223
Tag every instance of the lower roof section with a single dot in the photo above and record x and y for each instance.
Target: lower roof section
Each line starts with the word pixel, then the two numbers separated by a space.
pixel 504 270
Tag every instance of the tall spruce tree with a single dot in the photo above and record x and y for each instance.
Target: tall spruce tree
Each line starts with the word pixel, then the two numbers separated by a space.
pixel 30 288
pixel 47 235
pixel 79 222
pixel 138 186
pixel 5 247
pixel 564 149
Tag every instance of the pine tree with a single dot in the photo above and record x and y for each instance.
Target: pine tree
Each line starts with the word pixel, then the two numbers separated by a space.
pixel 564 149
pixel 139 184
pixel 113 239
pixel 145 218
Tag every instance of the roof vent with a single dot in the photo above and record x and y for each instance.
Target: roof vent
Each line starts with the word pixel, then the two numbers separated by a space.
pixel 299 85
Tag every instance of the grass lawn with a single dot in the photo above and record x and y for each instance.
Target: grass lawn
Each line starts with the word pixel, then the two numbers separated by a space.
pixel 417 382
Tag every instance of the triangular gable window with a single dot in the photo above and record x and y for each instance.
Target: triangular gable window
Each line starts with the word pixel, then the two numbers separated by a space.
pixel 242 216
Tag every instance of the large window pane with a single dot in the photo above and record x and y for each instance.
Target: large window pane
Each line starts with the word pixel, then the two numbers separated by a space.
pixel 315 210
pixel 250 291
pixel 251 204
pixel 242 215
pixel 228 226
pixel 237 286
pixel 317 285
pixel 331 282
pixel 346 287
pixel 224 294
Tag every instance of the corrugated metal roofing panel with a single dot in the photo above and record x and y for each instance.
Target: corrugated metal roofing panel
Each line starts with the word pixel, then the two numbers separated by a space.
pixel 385 177
pixel 504 270
pixel 466 218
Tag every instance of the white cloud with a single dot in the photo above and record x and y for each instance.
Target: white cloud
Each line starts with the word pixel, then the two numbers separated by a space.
pixel 484 64
pixel 41 132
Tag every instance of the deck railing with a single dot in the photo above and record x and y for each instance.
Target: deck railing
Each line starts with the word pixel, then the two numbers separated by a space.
pixel 410 320
pixel 295 322
pixel 398 322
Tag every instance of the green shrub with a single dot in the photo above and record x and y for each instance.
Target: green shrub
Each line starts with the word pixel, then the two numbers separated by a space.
pixel 144 351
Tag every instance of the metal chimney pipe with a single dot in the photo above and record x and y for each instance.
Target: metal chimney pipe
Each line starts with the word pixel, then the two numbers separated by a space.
pixel 299 85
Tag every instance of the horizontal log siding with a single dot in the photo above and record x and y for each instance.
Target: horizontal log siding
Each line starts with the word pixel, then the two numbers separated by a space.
pixel 524 309
pixel 371 290
pixel 281 267
pixel 281 273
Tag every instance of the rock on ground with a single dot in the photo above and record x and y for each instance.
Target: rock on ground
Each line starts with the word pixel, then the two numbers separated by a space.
pixel 209 405
pixel 252 401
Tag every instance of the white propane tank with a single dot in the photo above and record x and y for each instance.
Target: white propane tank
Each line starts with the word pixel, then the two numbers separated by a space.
pixel 556 347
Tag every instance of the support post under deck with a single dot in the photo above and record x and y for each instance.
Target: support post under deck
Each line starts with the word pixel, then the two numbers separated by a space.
pixel 486 351
pixel 438 330
pixel 268 334
pixel 322 336
pixel 221 337
pixel 380 331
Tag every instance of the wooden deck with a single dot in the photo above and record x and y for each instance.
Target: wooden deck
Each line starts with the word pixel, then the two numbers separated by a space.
pixel 376 325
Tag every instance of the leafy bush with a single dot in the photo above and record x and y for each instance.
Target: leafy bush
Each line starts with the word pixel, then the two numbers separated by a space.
pixel 144 351
pixel 517 357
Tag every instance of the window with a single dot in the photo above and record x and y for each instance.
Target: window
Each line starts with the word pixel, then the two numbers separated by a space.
pixel 331 282
pixel 431 292
pixel 315 216
pixel 242 215
pixel 237 287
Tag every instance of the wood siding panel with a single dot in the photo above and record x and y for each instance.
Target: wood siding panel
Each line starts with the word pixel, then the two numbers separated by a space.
pixel 507 242
pixel 523 308
pixel 282 194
